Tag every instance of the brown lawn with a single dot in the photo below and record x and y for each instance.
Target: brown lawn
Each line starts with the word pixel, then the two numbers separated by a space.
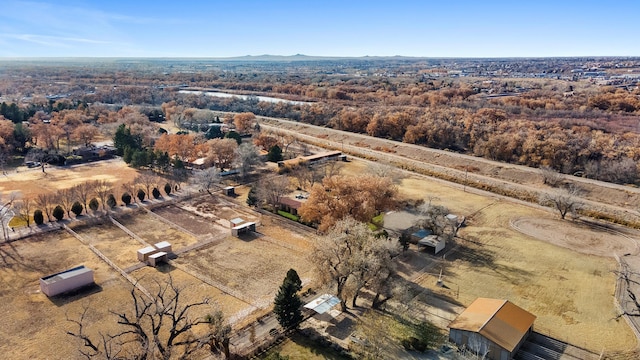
pixel 33 181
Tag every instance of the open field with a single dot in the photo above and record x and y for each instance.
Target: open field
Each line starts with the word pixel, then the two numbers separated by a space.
pixel 250 265
pixel 34 181
pixel 570 290
pixel 112 242
pixel 194 223
pixel 153 230
pixel 194 289
pixel 31 321
pixel 571 294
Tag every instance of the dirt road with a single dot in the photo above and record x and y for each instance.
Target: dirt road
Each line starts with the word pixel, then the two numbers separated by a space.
pixel 512 180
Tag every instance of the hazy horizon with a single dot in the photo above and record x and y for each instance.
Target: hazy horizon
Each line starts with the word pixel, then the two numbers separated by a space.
pixel 216 29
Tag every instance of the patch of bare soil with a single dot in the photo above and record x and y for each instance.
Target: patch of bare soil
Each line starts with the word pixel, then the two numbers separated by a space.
pixel 577 236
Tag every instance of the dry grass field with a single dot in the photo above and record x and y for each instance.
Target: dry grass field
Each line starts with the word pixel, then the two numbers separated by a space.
pixel 571 293
pixel 31 321
pixel 34 181
pixel 251 266
pixel 117 245
pixel 153 230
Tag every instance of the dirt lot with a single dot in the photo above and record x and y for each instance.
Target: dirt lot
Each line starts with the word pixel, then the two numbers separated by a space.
pixel 252 265
pixel 33 322
pixel 34 181
pixel 112 242
pixel 198 225
pixel 153 230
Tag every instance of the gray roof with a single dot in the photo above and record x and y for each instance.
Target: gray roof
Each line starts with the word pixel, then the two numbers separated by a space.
pixel 67 274
pixel 323 303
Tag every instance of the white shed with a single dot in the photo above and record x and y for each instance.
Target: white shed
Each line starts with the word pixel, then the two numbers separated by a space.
pixel 144 253
pixel 434 241
pixel 243 228
pixel 67 280
pixel 163 246
pixel 157 258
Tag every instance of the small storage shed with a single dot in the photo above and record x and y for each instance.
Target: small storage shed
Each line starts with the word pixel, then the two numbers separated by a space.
pixel 163 246
pixel 493 327
pixel 144 253
pixel 243 228
pixel 229 191
pixel 236 222
pixel 155 259
pixel 433 241
pixel 67 280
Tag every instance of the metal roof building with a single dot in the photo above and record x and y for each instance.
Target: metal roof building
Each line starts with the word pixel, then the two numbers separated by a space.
pixel 67 280
pixel 493 327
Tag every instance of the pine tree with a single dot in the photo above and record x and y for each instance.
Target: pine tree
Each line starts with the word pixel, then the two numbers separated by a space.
pixel 287 305
pixel 292 277
pixel 252 197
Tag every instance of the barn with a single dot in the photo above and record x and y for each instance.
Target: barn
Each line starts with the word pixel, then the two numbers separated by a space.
pixel 67 280
pixel 492 328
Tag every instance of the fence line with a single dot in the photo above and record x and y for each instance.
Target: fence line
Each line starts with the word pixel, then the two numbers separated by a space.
pixel 129 232
pixel 133 281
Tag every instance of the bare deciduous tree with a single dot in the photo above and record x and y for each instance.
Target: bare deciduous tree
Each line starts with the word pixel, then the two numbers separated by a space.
pixel 65 198
pixel 83 192
pixel 5 209
pixel 102 188
pixel 160 327
pixel 566 201
pixel 435 219
pixel 46 202
pixel 270 190
pixel 351 257
pixel 550 176
pixel 247 158
pixel 147 180
pixel 207 179
pixel 24 207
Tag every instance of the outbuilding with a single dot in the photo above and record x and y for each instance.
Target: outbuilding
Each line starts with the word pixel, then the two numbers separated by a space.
pixel 492 328
pixel 155 259
pixel 163 246
pixel 437 243
pixel 144 253
pixel 67 280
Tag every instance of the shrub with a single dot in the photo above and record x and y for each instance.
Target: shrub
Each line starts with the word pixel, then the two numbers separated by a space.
pixel 141 194
pixel 288 215
pixel 111 201
pixel 126 198
pixel 38 218
pixel 156 193
pixel 167 188
pixel 76 208
pixel 58 213
pixel 94 204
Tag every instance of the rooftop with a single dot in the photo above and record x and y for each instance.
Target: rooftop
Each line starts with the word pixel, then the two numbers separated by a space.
pixel 66 274
pixel 500 321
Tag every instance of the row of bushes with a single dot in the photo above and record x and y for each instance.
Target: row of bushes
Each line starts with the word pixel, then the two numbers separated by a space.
pixel 58 212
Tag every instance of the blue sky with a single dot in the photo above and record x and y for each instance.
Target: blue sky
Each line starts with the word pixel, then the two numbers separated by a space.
pixel 142 28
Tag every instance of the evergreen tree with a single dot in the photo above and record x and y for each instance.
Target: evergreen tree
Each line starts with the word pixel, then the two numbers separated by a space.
pixel 252 197
pixel 275 154
pixel 38 218
pixel 292 276
pixel 111 201
pixel 58 213
pixel 126 198
pixel 287 305
pixel 77 208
